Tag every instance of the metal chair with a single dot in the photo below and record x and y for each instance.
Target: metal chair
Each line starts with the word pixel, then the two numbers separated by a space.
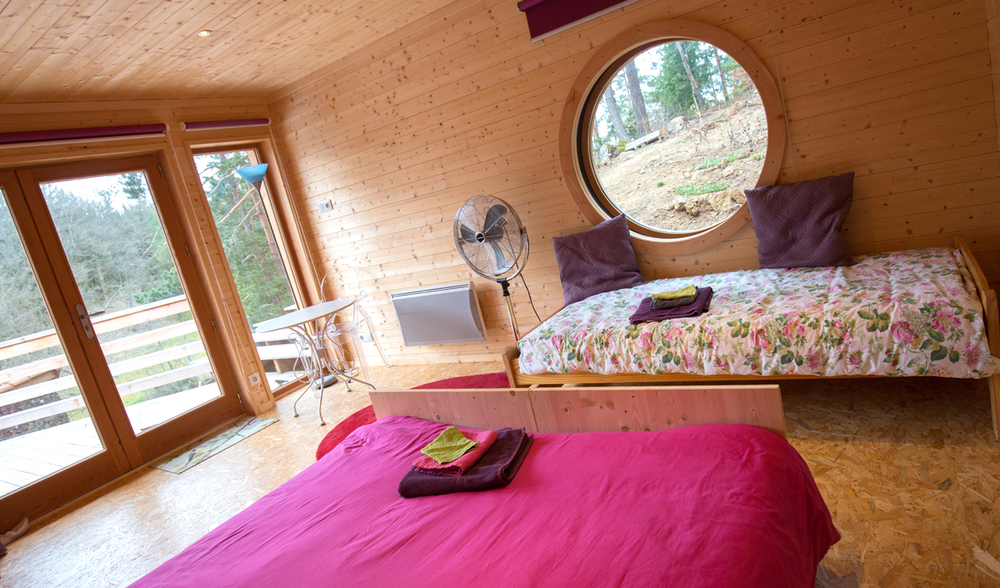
pixel 346 328
pixel 313 371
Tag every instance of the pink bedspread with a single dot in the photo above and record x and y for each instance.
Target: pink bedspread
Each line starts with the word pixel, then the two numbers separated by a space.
pixel 713 505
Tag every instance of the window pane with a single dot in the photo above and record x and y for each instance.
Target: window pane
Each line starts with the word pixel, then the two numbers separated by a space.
pixel 111 232
pixel 253 254
pixel 44 422
pixel 678 135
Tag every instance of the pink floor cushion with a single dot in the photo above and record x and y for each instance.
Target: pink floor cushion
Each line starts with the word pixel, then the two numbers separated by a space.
pixel 497 380
pixel 366 415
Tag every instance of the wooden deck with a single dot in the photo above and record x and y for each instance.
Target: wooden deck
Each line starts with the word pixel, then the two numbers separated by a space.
pixel 33 456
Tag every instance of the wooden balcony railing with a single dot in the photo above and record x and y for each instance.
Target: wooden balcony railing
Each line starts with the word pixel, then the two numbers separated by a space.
pixel 50 376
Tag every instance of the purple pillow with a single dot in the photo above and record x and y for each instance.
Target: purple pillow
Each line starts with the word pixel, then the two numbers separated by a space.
pixel 798 225
pixel 598 260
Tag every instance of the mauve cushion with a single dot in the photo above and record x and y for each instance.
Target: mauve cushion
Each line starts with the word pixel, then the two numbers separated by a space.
pixel 798 225
pixel 598 260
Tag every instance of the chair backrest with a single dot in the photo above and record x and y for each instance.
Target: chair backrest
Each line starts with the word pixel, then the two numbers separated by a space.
pixel 353 281
pixel 350 287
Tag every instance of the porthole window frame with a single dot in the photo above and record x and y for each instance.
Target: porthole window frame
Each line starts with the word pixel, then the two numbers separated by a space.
pixel 584 98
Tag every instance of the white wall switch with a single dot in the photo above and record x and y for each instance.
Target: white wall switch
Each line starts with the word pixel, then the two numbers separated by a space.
pixel 365 337
pixel 254 379
pixel 326 206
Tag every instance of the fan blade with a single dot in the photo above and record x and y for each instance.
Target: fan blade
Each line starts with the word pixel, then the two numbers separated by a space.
pixel 502 264
pixel 494 215
pixel 468 235
pixel 497 232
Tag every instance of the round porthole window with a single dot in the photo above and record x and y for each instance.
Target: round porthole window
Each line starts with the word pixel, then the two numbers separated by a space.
pixel 668 125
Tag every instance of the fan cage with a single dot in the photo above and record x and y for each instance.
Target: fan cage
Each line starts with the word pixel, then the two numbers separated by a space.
pixel 489 237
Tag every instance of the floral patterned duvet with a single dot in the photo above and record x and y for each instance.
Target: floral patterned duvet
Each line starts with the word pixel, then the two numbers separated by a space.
pixel 908 313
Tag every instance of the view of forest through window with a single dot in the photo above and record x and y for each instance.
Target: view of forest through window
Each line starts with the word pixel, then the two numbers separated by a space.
pixel 124 264
pixel 246 236
pixel 678 134
pixel 251 250
pixel 110 230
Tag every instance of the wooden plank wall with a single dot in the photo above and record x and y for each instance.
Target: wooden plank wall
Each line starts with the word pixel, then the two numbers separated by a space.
pixel 401 133
pixel 993 29
pixel 181 175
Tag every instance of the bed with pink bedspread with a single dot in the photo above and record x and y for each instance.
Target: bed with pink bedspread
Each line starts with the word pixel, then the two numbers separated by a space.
pixel 709 505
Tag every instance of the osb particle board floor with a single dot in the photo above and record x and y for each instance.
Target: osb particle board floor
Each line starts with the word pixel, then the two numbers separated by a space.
pixel 908 468
pixel 911 473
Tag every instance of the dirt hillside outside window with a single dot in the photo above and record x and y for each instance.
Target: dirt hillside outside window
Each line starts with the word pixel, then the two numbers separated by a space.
pixel 678 133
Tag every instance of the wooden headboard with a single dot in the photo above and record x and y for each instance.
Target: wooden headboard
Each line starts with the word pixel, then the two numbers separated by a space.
pixel 580 409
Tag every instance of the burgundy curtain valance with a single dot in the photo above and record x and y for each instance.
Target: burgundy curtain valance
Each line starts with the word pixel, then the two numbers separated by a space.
pixel 547 17
pixel 87 133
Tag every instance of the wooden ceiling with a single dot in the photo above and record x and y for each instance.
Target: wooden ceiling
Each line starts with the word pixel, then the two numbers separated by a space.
pixel 84 50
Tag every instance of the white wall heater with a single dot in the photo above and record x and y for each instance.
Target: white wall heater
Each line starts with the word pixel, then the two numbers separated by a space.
pixel 439 314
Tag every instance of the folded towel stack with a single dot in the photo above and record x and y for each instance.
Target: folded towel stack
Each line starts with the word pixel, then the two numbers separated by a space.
pixel 495 468
pixel 646 312
pixel 682 297
pixel 482 441
pixel 449 445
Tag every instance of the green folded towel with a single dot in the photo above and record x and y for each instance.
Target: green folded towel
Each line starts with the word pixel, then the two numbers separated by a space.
pixel 684 292
pixel 450 445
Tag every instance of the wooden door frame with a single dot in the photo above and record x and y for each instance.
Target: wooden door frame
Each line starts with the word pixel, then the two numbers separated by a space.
pixel 161 438
pixel 60 487
pixel 285 219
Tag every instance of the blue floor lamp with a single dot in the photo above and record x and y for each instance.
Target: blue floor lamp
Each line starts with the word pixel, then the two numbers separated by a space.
pixel 254 174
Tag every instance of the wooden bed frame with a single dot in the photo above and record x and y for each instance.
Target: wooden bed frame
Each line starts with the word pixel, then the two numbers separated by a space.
pixel 587 409
pixel 991 318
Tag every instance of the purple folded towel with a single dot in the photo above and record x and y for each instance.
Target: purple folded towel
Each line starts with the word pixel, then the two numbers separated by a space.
pixel 645 313
pixel 495 469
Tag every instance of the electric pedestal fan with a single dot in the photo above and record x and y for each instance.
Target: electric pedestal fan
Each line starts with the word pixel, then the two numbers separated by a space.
pixel 490 238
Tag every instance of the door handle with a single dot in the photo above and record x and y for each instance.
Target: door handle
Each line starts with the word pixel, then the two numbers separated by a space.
pixel 88 328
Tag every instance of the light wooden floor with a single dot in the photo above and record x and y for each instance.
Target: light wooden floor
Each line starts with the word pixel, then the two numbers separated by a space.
pixel 908 468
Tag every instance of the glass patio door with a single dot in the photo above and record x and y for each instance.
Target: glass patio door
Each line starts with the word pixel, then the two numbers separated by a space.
pixel 51 448
pixel 106 244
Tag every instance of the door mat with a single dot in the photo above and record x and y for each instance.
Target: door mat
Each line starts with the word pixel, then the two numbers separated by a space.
pixel 186 459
